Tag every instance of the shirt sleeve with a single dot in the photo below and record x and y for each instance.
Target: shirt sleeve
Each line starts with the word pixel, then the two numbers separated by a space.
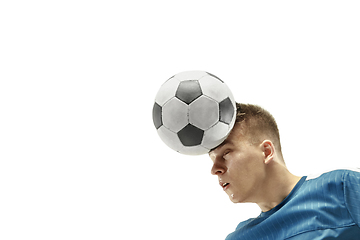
pixel 352 194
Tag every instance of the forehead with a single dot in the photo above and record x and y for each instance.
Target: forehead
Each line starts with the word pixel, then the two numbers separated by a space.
pixel 235 137
pixel 220 146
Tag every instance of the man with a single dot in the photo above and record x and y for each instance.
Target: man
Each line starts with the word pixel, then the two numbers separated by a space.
pixel 251 168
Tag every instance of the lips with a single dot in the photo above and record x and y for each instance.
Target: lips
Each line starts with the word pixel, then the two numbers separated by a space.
pixel 224 185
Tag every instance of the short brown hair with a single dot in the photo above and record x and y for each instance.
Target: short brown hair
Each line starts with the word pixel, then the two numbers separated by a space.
pixel 257 122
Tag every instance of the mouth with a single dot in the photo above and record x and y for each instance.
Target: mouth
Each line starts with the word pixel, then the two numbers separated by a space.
pixel 225 186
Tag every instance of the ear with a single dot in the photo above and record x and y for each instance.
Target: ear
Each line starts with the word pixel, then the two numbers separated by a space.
pixel 268 149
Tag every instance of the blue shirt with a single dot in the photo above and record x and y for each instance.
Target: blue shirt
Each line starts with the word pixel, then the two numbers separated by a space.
pixel 324 207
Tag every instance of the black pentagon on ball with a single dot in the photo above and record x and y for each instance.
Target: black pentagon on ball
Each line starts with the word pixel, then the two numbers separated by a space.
pixel 190 136
pixel 188 91
pixel 157 116
pixel 226 111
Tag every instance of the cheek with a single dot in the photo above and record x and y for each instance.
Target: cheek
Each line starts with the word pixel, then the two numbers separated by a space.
pixel 243 167
pixel 237 165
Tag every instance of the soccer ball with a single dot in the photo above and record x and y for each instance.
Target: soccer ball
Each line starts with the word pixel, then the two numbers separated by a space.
pixel 194 112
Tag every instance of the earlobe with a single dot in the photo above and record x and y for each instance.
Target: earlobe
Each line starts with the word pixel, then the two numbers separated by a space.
pixel 268 151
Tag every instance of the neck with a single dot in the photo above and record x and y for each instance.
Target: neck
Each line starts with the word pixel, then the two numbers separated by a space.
pixel 278 183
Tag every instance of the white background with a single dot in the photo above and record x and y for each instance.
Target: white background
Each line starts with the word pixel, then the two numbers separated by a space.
pixel 79 155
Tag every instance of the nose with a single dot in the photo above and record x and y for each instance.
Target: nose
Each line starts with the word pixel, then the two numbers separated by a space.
pixel 218 168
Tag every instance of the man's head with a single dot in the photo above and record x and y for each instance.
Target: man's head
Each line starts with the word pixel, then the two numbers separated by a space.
pixel 257 124
pixel 250 153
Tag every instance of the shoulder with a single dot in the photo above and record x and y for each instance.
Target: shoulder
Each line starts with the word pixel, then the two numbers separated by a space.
pixel 352 194
pixel 242 229
pixel 352 180
pixel 328 184
pixel 352 173
pixel 335 175
pixel 244 223
pixel 336 182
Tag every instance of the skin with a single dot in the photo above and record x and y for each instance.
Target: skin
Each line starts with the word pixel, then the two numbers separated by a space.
pixel 255 171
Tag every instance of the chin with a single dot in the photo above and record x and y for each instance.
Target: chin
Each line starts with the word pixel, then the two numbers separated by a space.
pixel 232 198
pixel 236 199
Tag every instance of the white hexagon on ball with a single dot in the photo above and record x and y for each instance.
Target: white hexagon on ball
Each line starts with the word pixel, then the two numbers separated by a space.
pixel 175 115
pixel 215 135
pixel 170 139
pixel 204 112
pixel 215 88
pixel 167 91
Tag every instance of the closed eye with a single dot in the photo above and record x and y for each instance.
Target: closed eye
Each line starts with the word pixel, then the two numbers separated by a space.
pixel 226 153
